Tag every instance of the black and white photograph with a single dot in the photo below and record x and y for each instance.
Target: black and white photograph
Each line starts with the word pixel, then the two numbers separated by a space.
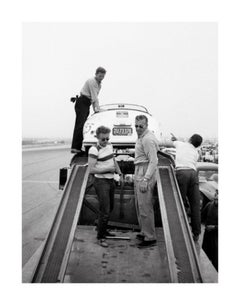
pixel 119 136
pixel 120 152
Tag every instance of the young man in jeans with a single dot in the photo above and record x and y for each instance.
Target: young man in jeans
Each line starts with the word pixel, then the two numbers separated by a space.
pixel 102 164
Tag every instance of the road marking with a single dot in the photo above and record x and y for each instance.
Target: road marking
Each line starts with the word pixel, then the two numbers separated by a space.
pixel 40 181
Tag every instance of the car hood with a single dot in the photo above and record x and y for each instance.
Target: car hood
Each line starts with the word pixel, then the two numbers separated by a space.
pixel 208 188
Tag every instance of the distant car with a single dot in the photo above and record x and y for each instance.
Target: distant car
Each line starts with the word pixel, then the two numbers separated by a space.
pixel 120 118
pixel 208 181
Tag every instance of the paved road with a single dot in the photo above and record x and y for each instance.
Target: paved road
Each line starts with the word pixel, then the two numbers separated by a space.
pixel 40 195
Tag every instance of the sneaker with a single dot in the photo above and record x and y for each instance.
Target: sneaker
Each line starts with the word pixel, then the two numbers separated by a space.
pixel 140 236
pixel 109 234
pixel 102 242
pixel 147 243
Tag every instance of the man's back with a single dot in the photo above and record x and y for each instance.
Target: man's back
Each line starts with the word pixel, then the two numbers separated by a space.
pixel 186 155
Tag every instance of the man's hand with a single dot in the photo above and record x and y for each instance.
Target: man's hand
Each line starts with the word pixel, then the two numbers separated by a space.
pixel 143 186
pixel 173 138
pixel 121 179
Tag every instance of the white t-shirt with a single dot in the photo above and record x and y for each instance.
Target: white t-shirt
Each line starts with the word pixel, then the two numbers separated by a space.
pixel 104 156
pixel 186 155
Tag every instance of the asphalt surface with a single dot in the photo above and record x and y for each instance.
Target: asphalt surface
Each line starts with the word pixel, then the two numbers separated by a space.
pixel 40 194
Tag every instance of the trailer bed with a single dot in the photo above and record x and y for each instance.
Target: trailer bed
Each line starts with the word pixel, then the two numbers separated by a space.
pixel 121 262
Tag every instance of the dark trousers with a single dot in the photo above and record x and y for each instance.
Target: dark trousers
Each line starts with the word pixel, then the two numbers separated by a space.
pixel 105 191
pixel 82 106
pixel 210 246
pixel 189 188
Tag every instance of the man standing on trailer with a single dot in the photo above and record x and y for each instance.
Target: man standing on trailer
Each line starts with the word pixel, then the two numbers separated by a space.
pixel 186 173
pixel 146 161
pixel 102 164
pixel 88 96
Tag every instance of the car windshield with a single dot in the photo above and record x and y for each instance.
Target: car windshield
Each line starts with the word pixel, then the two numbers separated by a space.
pixel 123 107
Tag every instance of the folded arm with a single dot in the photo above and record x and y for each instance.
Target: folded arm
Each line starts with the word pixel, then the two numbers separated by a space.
pixel 92 162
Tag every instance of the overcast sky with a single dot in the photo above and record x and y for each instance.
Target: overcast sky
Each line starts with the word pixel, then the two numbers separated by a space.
pixel 171 68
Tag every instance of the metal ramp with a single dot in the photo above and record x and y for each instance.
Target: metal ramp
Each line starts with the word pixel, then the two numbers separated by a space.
pixel 53 261
pixel 181 253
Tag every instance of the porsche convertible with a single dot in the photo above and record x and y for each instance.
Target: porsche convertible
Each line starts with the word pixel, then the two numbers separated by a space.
pixel 120 118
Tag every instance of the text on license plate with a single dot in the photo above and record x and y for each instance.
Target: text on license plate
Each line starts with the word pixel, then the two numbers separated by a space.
pixel 121 131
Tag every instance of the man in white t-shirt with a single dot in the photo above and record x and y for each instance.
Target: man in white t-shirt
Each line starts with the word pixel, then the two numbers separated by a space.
pixel 102 164
pixel 187 155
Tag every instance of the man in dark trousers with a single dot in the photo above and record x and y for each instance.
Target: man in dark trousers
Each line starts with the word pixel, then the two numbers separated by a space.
pixel 186 173
pixel 102 164
pixel 88 97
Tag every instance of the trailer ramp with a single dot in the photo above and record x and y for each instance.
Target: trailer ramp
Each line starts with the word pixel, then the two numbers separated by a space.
pixel 181 253
pixel 53 261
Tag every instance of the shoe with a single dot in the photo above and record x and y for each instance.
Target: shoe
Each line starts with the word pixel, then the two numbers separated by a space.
pixel 195 238
pixel 140 236
pixel 147 243
pixel 109 234
pixel 102 242
pixel 75 151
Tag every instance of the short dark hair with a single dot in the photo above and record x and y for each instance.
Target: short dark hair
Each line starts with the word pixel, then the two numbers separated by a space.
pixel 102 129
pixel 141 117
pixel 196 140
pixel 100 70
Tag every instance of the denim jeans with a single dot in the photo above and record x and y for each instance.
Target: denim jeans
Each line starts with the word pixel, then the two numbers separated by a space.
pixel 189 188
pixel 105 191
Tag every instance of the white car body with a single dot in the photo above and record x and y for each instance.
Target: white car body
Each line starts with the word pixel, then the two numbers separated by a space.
pixel 120 118
pixel 207 182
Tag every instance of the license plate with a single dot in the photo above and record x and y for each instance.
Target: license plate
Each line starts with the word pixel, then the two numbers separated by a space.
pixel 122 114
pixel 122 131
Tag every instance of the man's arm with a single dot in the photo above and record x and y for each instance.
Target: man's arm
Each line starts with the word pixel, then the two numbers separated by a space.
pixel 167 142
pixel 94 90
pixel 92 161
pixel 150 149
pixel 117 168
pixel 173 138
pixel 95 106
